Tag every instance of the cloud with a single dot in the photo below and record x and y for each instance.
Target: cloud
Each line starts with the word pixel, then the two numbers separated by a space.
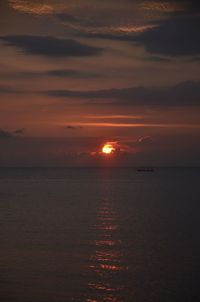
pixel 66 17
pixel 162 27
pixel 172 6
pixel 103 27
pixel 19 131
pixel 71 127
pixel 173 34
pixel 59 73
pixel 183 94
pixel 195 59
pixel 50 46
pixel 71 73
pixel 163 6
pixel 4 134
pixel 145 140
pixel 36 7
pixel 177 36
pixel 9 90
pixel 157 59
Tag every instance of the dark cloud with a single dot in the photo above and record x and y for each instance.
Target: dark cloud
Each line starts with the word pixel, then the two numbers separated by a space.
pixel 8 90
pixel 19 131
pixel 20 75
pixel 61 73
pixel 70 127
pixel 173 37
pixel 126 37
pixel 190 6
pixel 50 46
pixel 71 73
pixel 5 134
pixel 183 94
pixel 195 59
pixel 176 36
pixel 157 59
pixel 65 17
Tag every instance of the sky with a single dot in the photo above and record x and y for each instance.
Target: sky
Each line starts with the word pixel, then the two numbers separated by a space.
pixel 77 74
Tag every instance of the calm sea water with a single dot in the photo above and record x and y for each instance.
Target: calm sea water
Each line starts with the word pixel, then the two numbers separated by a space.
pixel 94 235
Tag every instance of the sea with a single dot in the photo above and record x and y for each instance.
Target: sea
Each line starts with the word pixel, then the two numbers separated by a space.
pixel 99 235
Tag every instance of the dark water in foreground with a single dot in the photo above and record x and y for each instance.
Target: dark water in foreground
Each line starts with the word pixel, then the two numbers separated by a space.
pixel 95 235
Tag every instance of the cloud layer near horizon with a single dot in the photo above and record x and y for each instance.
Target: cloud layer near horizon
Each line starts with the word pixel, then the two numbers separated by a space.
pixel 50 46
pixel 183 94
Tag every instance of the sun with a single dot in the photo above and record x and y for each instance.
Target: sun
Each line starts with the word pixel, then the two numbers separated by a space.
pixel 108 149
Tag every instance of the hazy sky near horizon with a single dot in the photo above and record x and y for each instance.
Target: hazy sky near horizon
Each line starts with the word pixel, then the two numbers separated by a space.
pixel 77 74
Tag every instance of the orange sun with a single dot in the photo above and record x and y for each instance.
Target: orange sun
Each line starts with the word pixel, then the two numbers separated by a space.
pixel 108 149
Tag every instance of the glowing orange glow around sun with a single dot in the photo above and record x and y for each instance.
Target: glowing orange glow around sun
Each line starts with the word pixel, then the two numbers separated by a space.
pixel 108 149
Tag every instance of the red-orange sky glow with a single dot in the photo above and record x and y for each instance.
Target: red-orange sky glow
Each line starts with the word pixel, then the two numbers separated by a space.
pixel 75 76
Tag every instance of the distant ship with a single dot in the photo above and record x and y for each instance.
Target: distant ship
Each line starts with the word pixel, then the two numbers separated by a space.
pixel 145 169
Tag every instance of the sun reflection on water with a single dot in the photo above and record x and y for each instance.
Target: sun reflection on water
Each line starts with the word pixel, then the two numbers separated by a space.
pixel 107 262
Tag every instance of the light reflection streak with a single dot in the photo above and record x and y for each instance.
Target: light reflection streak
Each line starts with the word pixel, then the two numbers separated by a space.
pixel 107 262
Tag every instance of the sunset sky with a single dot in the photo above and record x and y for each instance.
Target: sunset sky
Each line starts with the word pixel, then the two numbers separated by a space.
pixel 76 74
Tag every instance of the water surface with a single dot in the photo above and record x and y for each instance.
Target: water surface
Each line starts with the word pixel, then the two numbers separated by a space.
pixel 94 235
